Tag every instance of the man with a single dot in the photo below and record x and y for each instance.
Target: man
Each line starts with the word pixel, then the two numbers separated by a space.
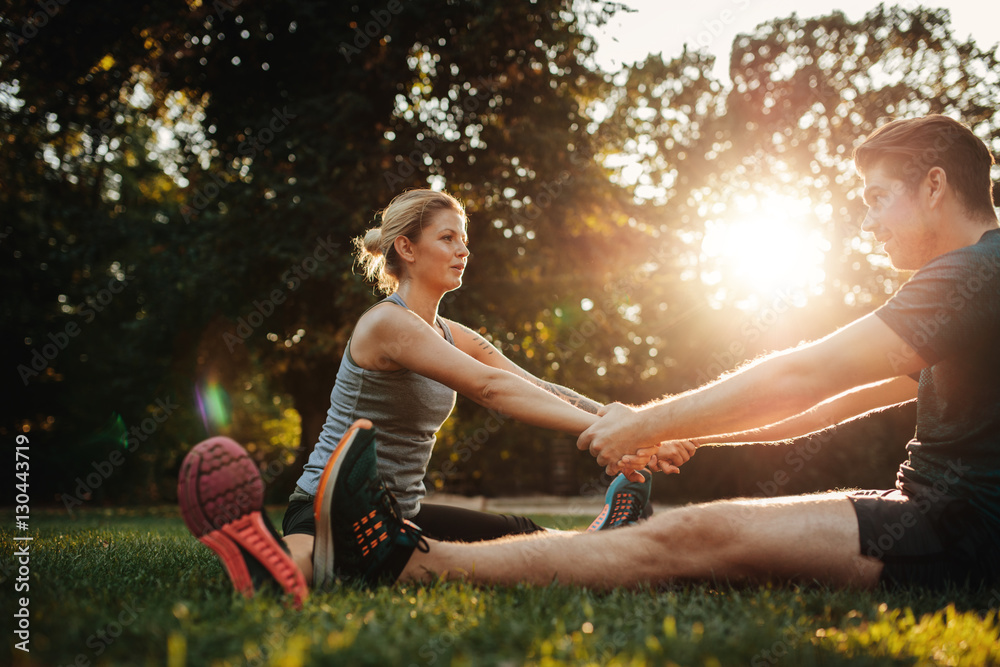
pixel 927 185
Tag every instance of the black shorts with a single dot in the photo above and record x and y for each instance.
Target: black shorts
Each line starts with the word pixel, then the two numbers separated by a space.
pixel 926 538
pixel 438 522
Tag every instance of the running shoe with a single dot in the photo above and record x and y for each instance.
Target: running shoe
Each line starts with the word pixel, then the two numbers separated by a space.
pixel 221 496
pixel 625 502
pixel 360 535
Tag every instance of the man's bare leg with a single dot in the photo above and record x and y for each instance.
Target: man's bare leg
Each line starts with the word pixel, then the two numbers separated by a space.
pixel 795 538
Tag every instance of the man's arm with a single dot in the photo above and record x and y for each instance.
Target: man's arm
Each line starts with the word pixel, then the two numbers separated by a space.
pixel 844 407
pixel 772 390
pixel 850 405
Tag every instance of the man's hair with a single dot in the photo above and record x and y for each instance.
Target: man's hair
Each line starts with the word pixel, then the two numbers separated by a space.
pixel 910 147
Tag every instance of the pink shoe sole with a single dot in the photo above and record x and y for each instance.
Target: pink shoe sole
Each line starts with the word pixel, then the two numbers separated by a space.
pixel 221 497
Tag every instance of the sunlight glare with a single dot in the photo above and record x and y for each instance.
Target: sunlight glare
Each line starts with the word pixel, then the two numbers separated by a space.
pixel 760 248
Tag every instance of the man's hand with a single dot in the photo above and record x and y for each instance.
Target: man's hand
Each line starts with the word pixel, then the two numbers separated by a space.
pixel 668 458
pixel 613 436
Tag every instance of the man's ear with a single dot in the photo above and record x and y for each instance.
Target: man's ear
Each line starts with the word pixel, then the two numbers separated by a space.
pixel 936 182
pixel 404 248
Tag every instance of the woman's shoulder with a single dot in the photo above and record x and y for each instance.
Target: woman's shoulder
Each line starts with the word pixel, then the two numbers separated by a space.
pixel 382 314
pixel 377 332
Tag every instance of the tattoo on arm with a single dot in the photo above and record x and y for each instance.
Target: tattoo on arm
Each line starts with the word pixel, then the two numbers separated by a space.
pixel 566 394
pixel 570 396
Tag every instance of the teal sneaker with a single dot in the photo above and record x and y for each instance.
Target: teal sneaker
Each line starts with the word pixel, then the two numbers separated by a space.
pixel 625 502
pixel 360 536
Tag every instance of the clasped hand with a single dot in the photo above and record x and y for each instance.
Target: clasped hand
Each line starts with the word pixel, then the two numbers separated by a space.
pixel 617 441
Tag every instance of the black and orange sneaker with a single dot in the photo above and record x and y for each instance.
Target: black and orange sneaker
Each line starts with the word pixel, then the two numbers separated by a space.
pixel 625 502
pixel 360 536
pixel 221 496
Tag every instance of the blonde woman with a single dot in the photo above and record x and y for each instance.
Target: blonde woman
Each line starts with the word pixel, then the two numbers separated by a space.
pixel 401 370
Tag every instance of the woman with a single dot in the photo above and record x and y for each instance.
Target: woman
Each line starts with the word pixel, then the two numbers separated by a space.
pixel 403 366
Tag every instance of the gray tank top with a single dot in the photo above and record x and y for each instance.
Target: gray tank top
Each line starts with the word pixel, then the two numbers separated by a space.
pixel 407 410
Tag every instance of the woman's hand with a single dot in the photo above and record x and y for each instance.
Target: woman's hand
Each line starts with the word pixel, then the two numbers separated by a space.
pixel 668 458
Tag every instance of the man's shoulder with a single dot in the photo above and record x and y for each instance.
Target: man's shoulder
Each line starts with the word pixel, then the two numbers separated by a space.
pixel 980 259
pixel 988 245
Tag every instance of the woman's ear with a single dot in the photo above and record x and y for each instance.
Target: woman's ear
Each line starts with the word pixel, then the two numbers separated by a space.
pixel 404 248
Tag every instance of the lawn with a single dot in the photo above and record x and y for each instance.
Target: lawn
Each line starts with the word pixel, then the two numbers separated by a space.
pixel 122 587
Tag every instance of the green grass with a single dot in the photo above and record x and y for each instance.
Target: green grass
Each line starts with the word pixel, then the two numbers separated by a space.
pixel 122 588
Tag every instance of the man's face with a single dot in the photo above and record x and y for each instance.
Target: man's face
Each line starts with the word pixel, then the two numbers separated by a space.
pixel 898 222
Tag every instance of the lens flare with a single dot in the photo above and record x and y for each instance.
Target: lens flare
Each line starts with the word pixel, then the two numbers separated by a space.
pixel 213 404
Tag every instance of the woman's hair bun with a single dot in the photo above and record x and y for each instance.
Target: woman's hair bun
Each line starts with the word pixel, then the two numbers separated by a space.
pixel 373 241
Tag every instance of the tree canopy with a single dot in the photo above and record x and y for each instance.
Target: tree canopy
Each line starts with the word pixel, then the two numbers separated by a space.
pixel 180 183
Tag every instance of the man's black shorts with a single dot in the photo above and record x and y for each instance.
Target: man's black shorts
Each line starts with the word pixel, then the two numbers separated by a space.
pixel 926 539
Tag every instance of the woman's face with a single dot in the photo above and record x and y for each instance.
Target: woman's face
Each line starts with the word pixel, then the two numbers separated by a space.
pixel 442 252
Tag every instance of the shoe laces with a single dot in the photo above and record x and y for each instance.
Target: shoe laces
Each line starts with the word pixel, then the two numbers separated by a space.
pixel 388 503
pixel 628 502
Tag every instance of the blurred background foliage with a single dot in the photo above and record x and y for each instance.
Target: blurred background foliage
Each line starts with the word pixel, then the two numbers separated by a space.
pixel 180 181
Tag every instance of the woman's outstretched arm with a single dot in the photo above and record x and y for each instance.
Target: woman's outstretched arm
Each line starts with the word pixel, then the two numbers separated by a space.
pixel 485 352
pixel 394 337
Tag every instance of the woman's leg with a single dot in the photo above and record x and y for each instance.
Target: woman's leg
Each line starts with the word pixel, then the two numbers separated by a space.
pixel 439 522
pixel 300 547
pixel 299 528
pixel 221 498
pixel 456 524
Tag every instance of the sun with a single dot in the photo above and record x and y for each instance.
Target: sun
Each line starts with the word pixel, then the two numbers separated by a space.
pixel 762 248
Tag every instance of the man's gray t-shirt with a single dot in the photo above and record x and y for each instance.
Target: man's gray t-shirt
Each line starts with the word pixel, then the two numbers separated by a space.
pixel 949 312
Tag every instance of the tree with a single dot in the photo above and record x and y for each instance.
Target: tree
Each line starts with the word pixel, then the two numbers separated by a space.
pixel 238 235
pixel 202 167
pixel 804 93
